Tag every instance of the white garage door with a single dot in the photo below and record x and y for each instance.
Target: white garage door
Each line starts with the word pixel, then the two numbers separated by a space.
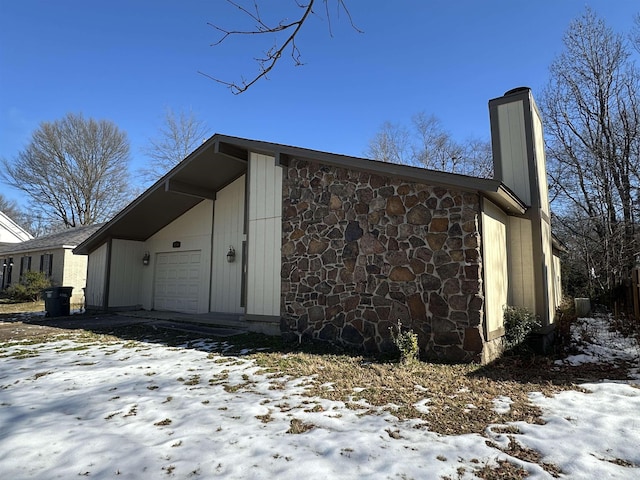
pixel 177 282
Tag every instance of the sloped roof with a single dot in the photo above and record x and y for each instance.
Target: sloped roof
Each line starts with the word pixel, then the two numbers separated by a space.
pixel 69 238
pixel 13 232
pixel 222 159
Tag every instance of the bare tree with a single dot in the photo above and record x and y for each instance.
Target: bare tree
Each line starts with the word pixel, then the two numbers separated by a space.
pixel 477 158
pixel 391 144
pixel 282 32
pixel 435 149
pixel 30 219
pixel 10 208
pixel 591 109
pixel 428 145
pixel 73 170
pixel 179 135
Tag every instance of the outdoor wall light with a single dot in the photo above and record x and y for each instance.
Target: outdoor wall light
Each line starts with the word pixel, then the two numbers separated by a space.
pixel 146 258
pixel 231 254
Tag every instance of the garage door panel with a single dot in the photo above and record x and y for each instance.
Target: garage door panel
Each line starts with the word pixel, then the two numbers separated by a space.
pixel 178 279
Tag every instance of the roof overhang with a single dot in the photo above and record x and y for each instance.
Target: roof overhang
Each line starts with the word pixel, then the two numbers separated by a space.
pixel 222 159
pixel 204 172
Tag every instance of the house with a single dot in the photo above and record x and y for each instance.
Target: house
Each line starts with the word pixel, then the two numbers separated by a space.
pixel 11 232
pixel 52 254
pixel 310 244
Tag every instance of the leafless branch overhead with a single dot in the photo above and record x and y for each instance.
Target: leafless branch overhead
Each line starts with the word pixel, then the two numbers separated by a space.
pixel 267 62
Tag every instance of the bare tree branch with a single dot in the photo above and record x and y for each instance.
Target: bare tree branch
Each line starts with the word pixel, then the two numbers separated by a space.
pixel 271 57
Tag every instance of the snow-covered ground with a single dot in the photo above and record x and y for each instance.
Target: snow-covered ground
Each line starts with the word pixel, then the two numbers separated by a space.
pixel 73 408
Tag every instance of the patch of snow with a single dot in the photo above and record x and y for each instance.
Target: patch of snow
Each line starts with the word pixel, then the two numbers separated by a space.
pixel 133 410
pixel 422 406
pixel 502 405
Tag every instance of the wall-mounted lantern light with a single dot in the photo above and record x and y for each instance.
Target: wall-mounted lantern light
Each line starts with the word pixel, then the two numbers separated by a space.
pixel 146 258
pixel 231 255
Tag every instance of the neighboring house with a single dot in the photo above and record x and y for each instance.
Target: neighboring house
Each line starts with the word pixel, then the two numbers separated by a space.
pixel 11 232
pixel 52 254
pixel 318 245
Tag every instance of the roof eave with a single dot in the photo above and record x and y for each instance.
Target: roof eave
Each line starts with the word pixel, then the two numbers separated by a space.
pixel 506 199
pixel 237 148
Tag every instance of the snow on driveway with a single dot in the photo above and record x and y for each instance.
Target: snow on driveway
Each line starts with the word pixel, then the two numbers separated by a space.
pixel 73 408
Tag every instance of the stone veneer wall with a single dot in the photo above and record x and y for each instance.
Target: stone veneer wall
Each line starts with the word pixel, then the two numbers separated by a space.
pixel 361 252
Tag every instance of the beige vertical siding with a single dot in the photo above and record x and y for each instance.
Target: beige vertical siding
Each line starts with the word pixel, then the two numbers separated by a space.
pixel 96 277
pixel 265 236
pixel 521 268
pixel 126 273
pixel 193 231
pixel 541 163
pixel 228 231
pixel 513 149
pixel 495 268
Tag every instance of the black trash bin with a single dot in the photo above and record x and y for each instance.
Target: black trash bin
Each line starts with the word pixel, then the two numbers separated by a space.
pixel 57 301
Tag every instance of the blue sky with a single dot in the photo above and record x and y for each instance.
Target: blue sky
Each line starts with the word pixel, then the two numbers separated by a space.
pixel 126 61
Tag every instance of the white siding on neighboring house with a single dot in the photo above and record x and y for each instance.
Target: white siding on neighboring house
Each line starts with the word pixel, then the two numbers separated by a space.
pixel 193 231
pixel 228 231
pixel 495 266
pixel 265 236
pixel 11 232
pixel 126 273
pixel 521 268
pixel 96 277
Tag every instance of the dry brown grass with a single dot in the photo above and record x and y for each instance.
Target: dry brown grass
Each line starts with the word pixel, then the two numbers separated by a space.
pixel 516 450
pixel 7 307
pixel 297 426
pixel 460 396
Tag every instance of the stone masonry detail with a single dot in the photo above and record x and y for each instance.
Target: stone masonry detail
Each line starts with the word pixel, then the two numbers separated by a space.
pixel 361 252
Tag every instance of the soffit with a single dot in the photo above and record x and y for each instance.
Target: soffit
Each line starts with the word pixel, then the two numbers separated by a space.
pixel 207 170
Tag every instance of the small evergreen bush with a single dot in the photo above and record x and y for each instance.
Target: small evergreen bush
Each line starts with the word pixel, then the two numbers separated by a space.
pixel 407 343
pixel 29 288
pixel 518 323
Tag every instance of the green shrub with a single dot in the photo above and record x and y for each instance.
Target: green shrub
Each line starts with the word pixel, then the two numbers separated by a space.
pixel 29 288
pixel 407 343
pixel 518 323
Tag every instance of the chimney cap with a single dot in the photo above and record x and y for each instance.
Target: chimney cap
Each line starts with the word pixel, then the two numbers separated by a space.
pixel 516 90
